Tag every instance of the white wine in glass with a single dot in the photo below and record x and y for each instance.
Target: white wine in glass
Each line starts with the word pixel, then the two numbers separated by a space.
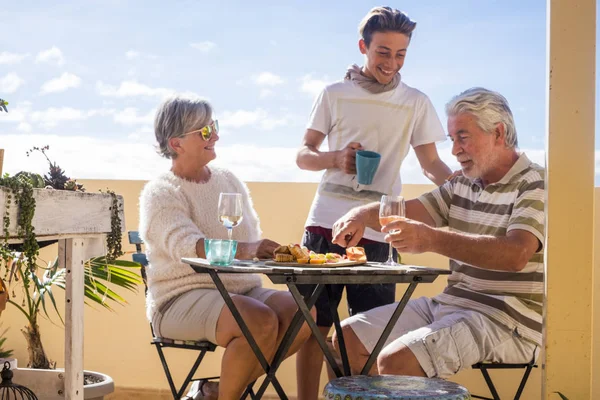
pixel 230 210
pixel 391 208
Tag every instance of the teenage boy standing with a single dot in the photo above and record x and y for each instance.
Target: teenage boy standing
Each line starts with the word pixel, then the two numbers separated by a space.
pixel 370 109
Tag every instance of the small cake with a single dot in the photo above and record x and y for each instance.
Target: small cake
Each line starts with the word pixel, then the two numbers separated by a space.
pixel 298 252
pixel 282 250
pixel 280 257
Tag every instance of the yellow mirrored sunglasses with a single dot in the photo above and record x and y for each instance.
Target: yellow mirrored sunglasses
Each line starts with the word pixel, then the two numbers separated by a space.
pixel 207 131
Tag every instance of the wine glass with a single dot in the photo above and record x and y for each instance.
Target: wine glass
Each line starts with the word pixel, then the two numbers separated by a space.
pixel 230 210
pixel 391 208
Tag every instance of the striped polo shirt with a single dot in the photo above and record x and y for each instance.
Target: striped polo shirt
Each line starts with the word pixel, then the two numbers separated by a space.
pixel 514 299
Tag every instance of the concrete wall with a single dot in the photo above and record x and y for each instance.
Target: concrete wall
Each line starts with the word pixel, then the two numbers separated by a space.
pixel 118 344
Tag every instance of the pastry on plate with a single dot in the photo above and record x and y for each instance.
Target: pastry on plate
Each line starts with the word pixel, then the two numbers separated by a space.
pixel 356 254
pixel 298 252
pixel 280 257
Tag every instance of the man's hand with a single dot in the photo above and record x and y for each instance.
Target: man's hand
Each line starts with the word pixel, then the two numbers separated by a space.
pixel 454 175
pixel 348 230
pixel 262 249
pixel 410 236
pixel 346 159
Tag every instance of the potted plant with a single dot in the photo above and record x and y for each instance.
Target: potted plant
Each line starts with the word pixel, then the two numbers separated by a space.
pixel 6 354
pixel 21 268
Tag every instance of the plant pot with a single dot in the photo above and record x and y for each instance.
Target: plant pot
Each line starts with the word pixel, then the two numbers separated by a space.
pixel 49 384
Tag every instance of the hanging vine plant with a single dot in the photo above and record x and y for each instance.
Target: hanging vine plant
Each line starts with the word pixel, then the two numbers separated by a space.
pixel 37 280
pixel 113 238
pixel 19 191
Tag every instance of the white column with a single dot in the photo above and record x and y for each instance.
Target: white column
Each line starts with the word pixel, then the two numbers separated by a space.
pixel 72 256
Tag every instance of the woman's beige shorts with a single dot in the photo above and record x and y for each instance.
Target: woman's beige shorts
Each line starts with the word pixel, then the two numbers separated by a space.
pixel 194 314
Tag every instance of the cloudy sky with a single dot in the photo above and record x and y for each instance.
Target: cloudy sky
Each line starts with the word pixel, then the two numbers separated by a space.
pixel 86 77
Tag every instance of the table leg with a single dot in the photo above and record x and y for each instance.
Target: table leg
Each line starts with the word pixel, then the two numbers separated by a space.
pixel 313 326
pixel 389 327
pixel 71 256
pixel 244 328
pixel 287 340
pixel 338 330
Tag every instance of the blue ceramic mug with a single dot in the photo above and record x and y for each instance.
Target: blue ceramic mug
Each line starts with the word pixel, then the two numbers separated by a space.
pixel 367 163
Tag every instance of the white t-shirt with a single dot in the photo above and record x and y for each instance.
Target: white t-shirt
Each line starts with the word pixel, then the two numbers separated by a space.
pixel 387 123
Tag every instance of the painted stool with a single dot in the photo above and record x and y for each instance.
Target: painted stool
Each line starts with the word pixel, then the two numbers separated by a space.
pixel 393 387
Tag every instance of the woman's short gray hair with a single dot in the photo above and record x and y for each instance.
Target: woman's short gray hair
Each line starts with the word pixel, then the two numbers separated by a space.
pixel 489 107
pixel 176 116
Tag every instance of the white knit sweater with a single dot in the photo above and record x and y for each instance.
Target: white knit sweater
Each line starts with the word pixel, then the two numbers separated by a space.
pixel 174 215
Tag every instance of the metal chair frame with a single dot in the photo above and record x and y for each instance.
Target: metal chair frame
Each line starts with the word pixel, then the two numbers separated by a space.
pixel 162 343
pixel 484 367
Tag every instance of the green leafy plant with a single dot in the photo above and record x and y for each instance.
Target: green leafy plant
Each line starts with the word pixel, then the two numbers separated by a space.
pixel 4 353
pixel 56 177
pixel 102 275
pixel 38 297
pixel 3 104
pixel 19 190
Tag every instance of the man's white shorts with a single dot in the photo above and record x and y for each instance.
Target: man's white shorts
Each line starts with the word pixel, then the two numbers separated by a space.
pixel 443 338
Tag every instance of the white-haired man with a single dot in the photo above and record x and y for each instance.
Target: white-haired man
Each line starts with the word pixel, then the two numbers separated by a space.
pixel 491 309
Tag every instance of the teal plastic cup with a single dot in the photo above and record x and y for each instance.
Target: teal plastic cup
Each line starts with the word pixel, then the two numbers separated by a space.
pixel 220 251
pixel 367 163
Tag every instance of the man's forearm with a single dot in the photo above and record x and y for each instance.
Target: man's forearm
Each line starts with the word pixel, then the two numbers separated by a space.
pixel 437 172
pixel 489 252
pixel 369 214
pixel 312 159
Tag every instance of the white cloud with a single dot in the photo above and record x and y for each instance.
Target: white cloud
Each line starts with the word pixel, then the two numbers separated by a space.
pixel 264 93
pixel 66 81
pixel 129 116
pixel 12 58
pixel 138 55
pixel 144 132
pixel 267 79
pixel 132 89
pixel 136 158
pixel 259 117
pixel 132 54
pixel 263 164
pixel 52 56
pixel 241 118
pixel 17 112
pixel 205 46
pixel 24 127
pixel 313 86
pixel 10 83
pixel 53 116
pixel 133 158
pixel 80 156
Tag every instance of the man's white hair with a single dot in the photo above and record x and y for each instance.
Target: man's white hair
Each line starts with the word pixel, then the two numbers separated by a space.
pixel 489 107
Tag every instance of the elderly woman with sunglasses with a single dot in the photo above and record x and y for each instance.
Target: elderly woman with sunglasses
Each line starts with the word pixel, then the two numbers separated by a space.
pixel 178 210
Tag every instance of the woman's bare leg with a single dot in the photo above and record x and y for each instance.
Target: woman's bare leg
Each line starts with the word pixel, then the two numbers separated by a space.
pixel 239 365
pixel 285 307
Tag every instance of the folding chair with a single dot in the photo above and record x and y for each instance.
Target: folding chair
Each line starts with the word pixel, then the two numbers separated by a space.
pixel 483 367
pixel 161 343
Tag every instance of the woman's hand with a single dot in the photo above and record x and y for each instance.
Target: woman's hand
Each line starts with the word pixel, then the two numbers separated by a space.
pixel 261 249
